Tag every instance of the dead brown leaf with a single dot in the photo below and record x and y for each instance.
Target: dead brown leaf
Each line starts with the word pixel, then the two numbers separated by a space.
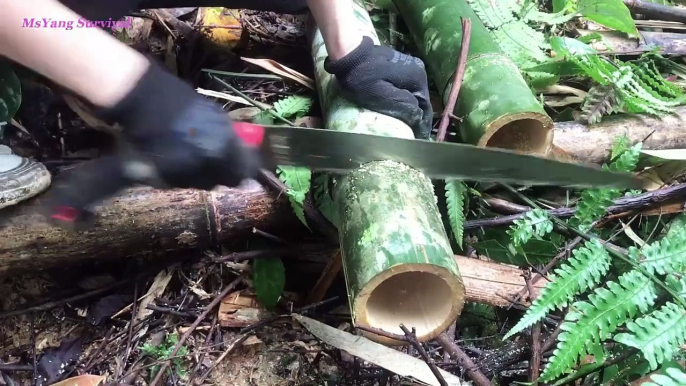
pixel 279 69
pixel 82 380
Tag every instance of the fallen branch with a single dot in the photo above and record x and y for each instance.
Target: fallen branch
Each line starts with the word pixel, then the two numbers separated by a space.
pixel 412 338
pixel 624 204
pixel 656 11
pixel 592 144
pixel 457 82
pixel 463 359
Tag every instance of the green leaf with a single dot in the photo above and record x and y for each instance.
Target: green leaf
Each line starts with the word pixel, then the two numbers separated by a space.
pixel 610 13
pixel 535 223
pixel 620 145
pixel 269 281
pixel 568 46
pixel 455 192
pixel 536 252
pixel 293 105
pixel 323 185
pixel 658 335
pixel 581 272
pixel 590 322
pixel 10 91
pixel 673 377
pixel 298 181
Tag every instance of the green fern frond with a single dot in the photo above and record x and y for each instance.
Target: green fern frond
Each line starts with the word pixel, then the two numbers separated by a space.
pixel 298 181
pixel 590 322
pixel 666 255
pixel 676 283
pixel 534 223
pixel 673 377
pixel 581 272
pixel 658 335
pixel 293 105
pixel 496 13
pixel 639 88
pixel 600 101
pixel 619 146
pixel 521 43
pixel 455 193
pixel 593 202
pixel 323 186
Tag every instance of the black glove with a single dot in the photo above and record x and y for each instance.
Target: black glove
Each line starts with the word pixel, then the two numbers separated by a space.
pixel 384 80
pixel 188 139
pixel 172 138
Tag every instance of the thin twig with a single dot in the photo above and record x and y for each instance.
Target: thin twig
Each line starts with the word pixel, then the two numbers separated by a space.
pixel 268 253
pixel 535 365
pixel 226 352
pixel 269 236
pixel 550 341
pixel 195 324
pixel 383 333
pixel 457 83
pixel 201 358
pixel 463 359
pixel 33 347
pixel 8 367
pixel 624 204
pixel 412 338
pixel 252 101
pixel 129 340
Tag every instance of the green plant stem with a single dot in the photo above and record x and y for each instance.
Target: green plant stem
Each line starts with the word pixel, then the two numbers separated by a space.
pixel 253 102
pixel 605 245
pixel 242 75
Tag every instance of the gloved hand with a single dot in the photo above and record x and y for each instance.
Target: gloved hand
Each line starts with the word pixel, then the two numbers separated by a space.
pixel 173 137
pixel 384 80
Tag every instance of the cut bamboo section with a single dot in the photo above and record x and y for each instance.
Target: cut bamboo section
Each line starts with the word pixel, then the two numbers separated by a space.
pixel 397 260
pixel 498 107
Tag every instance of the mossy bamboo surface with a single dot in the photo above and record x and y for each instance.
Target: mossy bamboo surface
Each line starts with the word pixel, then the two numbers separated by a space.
pixel 397 260
pixel 497 106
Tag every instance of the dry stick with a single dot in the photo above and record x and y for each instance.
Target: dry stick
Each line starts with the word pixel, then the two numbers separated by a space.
pixel 269 236
pixel 412 338
pixel 657 11
pixel 201 358
pixel 535 336
pixel 457 83
pixel 624 204
pixel 463 359
pixel 8 367
pixel 226 352
pixel 380 332
pixel 134 308
pixel 553 337
pixel 195 324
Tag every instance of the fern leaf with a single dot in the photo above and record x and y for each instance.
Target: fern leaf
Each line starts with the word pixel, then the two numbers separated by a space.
pixel 293 105
pixel 627 160
pixel 298 181
pixel 658 335
pixel 494 14
pixel 674 377
pixel 666 255
pixel 455 192
pixel 534 223
pixel 581 272
pixel 600 101
pixel 620 145
pixel 323 199
pixel 590 322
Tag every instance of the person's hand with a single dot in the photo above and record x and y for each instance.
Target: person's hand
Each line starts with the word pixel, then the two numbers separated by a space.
pixel 384 80
pixel 172 137
pixel 188 139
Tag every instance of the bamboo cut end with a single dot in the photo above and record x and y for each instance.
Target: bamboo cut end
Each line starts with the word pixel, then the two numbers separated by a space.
pixel 424 296
pixel 527 133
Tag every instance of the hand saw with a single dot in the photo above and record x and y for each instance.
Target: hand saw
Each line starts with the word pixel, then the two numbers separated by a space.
pixel 340 152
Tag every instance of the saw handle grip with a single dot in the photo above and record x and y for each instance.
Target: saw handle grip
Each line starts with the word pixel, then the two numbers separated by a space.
pixel 251 134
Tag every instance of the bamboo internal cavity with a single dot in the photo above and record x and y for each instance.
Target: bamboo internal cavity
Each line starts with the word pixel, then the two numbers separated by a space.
pixel 524 135
pixel 416 299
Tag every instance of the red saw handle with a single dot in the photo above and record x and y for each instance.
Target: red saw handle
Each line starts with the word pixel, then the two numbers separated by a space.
pixel 250 133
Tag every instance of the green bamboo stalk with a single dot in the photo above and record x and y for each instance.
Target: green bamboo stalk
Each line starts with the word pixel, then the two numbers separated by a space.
pixel 498 106
pixel 397 260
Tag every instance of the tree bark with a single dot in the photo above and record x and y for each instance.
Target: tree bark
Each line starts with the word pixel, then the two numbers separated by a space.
pixel 592 144
pixel 396 257
pixel 142 221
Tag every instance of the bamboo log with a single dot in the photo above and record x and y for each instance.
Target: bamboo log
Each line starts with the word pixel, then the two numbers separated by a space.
pixel 592 144
pixel 618 42
pixel 397 259
pixel 139 222
pixel 498 106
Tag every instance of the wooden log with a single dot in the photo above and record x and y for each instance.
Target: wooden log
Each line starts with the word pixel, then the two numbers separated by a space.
pixel 592 144
pixel 142 221
pixel 618 42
